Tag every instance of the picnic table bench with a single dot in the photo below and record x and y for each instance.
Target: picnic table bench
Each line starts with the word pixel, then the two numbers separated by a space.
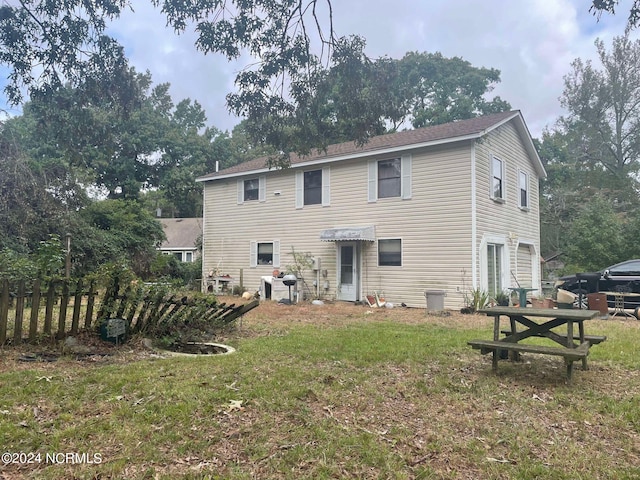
pixel 592 339
pixel 550 318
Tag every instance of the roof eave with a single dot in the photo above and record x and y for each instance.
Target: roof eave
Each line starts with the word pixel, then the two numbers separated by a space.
pixel 351 156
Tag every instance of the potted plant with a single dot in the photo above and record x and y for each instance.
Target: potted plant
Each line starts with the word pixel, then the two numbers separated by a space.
pixel 501 299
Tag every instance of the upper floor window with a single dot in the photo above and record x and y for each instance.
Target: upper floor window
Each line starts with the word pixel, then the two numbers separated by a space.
pixel 252 189
pixel 497 174
pixel 523 187
pixel 390 178
pixel 390 252
pixel 312 187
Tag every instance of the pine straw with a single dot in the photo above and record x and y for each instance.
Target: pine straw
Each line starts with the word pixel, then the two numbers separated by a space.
pixel 443 418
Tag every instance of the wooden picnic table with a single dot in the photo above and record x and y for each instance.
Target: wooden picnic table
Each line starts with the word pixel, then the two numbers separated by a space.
pixel 539 322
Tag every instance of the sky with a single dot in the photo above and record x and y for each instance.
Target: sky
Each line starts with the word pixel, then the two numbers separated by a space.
pixel 531 42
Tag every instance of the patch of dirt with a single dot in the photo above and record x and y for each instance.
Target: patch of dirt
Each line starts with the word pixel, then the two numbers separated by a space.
pixel 273 317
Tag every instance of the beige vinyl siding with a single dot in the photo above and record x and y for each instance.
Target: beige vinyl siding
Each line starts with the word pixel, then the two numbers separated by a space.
pixel 434 226
pixel 507 219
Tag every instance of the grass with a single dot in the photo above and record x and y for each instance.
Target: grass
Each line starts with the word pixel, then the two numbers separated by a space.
pixel 332 392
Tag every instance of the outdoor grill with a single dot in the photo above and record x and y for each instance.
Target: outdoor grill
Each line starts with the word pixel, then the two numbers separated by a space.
pixel 289 280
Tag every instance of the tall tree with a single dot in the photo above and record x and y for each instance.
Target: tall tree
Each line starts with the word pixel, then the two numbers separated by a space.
pixel 434 89
pixel 604 114
pixel 116 231
pixel 29 209
pixel 49 44
pixel 420 89
pixel 590 243
pixel 124 148
pixel 600 6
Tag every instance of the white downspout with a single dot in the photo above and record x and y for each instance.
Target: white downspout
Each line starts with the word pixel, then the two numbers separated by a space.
pixel 474 227
pixel 204 219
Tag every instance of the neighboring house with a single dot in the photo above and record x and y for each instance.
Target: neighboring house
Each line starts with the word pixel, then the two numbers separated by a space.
pixel 452 207
pixel 182 237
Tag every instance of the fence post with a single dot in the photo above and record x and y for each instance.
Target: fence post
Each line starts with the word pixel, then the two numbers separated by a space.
pixel 48 315
pixel 77 304
pixel 64 301
pixel 17 329
pixel 35 310
pixel 90 302
pixel 4 311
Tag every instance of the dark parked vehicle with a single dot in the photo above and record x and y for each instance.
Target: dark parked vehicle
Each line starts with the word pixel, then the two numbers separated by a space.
pixel 622 277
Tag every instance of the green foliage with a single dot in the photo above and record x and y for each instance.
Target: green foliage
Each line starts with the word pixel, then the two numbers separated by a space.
pixel 302 261
pixel 124 147
pixel 502 298
pixel 45 263
pixel 128 231
pixel 29 210
pixel 476 299
pixel 17 266
pixel 603 119
pixel 169 268
pixel 600 6
pixel 50 257
pixel 592 158
pixel 595 238
pixel 293 99
pixel 434 89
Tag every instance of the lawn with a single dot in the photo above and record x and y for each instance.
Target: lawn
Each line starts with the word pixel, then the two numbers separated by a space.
pixel 334 391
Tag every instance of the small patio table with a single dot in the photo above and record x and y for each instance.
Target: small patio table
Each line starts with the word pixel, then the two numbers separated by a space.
pixel 522 294
pixel 618 302
pixel 539 322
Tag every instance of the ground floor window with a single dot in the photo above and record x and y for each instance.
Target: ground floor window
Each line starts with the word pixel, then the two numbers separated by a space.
pixel 265 253
pixel 494 268
pixel 390 252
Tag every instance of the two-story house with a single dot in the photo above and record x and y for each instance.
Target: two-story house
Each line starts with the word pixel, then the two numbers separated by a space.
pixel 452 207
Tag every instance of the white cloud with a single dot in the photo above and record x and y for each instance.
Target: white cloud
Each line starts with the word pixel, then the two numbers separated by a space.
pixel 532 43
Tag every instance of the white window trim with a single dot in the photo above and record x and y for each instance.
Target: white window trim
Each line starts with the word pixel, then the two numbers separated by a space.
pixel 526 207
pixel 253 253
pixel 503 177
pixel 326 188
pixel 484 263
pixel 401 252
pixel 535 263
pixel 262 189
pixel 405 178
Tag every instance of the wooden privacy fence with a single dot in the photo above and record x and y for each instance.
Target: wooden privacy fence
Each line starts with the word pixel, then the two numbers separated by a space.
pixel 146 310
pixel 56 298
pixel 143 309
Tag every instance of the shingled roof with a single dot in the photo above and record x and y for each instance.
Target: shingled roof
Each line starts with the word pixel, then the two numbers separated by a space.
pixel 437 134
pixel 181 233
